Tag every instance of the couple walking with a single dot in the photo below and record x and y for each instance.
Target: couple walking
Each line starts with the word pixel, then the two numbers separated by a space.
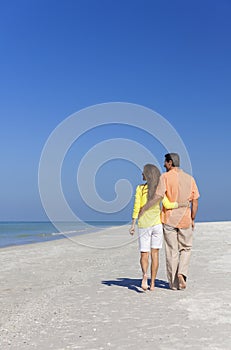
pixel 179 195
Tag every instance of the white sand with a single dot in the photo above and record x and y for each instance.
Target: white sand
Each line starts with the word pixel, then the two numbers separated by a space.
pixel 61 295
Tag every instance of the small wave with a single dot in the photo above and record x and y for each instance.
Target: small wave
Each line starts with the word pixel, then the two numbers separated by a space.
pixel 56 233
pixel 63 233
pixel 22 235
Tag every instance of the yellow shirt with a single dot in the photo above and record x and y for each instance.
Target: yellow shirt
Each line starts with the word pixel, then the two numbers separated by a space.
pixel 151 217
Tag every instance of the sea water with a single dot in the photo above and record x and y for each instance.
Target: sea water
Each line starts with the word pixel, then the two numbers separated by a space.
pixel 20 232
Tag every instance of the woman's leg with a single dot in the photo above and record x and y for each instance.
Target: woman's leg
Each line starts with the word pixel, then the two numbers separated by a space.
pixel 154 266
pixel 144 246
pixel 144 266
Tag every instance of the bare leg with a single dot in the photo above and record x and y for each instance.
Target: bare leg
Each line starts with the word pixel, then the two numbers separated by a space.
pixel 154 267
pixel 182 283
pixel 144 266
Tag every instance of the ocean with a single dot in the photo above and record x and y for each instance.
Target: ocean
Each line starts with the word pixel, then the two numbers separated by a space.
pixel 20 232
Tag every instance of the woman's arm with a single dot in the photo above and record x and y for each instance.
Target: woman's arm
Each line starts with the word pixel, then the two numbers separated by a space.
pixel 136 209
pixel 132 228
pixel 169 205
pixel 173 205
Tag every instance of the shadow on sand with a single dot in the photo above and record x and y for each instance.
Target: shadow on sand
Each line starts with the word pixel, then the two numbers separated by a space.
pixel 134 284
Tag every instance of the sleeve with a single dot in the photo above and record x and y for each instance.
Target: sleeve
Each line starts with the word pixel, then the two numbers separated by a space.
pixel 137 203
pixel 161 188
pixel 195 192
pixel 169 205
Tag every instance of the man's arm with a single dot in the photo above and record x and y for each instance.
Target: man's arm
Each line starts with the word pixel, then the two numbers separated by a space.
pixel 149 204
pixel 194 208
pixel 160 192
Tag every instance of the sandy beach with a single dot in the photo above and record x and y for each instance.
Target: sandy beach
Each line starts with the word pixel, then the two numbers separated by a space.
pixel 65 295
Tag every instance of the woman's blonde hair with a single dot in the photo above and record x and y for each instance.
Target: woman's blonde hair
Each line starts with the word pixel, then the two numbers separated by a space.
pixel 152 176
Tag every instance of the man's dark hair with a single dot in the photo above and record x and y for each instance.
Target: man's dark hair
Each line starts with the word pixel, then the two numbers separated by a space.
pixel 174 157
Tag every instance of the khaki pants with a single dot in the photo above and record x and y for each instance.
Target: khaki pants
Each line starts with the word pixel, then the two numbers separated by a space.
pixel 178 244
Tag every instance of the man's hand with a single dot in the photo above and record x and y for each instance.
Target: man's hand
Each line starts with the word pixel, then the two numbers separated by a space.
pixel 132 230
pixel 141 212
pixel 193 225
pixel 194 211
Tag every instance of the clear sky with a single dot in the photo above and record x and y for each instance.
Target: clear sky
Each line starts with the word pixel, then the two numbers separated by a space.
pixel 58 57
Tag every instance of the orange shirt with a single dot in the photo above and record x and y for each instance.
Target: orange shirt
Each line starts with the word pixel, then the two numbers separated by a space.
pixel 179 187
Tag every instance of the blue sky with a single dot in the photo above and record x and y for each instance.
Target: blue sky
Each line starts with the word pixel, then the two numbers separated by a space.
pixel 58 57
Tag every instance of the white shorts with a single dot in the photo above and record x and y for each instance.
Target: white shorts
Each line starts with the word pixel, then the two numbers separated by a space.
pixel 150 237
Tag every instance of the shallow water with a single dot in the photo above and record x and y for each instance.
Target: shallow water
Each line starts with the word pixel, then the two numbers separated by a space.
pixel 20 232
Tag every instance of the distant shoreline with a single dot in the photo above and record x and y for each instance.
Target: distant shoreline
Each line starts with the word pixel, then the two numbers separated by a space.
pixel 14 233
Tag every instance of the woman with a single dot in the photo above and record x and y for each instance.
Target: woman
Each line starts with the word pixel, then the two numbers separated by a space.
pixel 149 224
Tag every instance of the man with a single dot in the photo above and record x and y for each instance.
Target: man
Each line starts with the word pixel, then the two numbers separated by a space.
pixel 178 224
